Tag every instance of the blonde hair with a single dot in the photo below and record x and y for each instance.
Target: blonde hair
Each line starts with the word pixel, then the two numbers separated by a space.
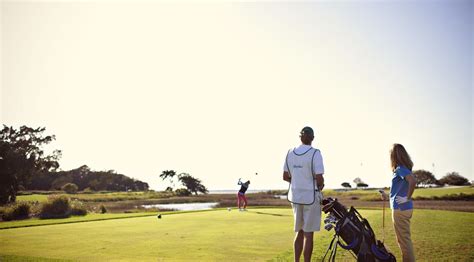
pixel 400 157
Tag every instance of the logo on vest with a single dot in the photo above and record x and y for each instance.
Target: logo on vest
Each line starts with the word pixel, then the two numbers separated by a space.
pixel 297 166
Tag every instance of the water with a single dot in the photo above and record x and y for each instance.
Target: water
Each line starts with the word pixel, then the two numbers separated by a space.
pixel 184 206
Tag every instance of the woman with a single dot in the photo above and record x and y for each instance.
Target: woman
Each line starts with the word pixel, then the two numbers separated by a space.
pixel 241 195
pixel 401 191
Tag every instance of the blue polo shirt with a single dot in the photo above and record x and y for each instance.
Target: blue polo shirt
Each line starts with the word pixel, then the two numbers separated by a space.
pixel 400 188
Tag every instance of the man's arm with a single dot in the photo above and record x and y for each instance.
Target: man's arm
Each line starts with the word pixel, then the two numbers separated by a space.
pixel 320 181
pixel 286 177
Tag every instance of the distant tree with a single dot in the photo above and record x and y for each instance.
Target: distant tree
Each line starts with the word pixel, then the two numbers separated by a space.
pixel 192 184
pixel 168 175
pixel 60 182
pixel 22 157
pixel 359 182
pixel 346 185
pixel 454 179
pixel 424 178
pixel 70 188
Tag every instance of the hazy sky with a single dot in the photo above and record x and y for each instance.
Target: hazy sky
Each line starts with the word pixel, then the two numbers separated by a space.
pixel 221 90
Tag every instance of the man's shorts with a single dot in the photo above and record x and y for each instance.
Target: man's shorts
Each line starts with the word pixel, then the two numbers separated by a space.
pixel 308 217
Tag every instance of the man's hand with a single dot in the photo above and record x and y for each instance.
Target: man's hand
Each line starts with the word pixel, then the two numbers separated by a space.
pixel 286 177
pixel 401 200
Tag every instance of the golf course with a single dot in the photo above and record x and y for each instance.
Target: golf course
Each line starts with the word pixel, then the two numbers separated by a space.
pixel 260 234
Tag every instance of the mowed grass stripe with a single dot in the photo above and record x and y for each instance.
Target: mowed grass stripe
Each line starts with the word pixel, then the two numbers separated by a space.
pixel 75 219
pixel 92 217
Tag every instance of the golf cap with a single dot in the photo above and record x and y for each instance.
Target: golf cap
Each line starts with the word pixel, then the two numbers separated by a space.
pixel 307 130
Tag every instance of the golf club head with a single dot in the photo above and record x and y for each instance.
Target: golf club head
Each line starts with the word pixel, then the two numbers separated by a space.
pixel 328 227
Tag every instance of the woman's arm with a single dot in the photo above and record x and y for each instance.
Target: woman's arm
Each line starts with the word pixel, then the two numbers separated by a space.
pixel 411 185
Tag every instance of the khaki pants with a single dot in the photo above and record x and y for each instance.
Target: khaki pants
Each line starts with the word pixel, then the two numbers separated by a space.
pixel 401 223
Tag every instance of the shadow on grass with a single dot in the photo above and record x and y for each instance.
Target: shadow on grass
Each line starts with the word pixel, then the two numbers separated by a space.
pixel 272 214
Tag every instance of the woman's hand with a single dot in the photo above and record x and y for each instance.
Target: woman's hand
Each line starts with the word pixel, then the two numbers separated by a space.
pixel 401 200
pixel 383 195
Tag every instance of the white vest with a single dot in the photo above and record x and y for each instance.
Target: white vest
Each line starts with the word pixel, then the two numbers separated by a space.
pixel 302 186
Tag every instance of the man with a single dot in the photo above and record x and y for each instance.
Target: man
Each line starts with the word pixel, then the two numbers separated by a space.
pixel 304 171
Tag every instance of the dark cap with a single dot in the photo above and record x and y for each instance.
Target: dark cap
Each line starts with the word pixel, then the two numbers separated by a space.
pixel 307 130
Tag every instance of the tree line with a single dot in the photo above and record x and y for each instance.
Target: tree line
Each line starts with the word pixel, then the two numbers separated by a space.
pixel 424 178
pixel 85 179
pixel 25 165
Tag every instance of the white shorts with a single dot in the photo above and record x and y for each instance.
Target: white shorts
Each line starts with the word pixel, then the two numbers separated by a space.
pixel 308 217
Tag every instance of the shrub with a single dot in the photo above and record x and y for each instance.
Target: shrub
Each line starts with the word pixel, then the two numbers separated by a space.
pixel 56 207
pixel 78 208
pixel 17 211
pixel 182 192
pixel 88 190
pixel 70 188
pixel 103 210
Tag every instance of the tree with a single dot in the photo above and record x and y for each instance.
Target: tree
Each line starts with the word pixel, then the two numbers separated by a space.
pixel 168 174
pixel 192 184
pixel 346 185
pixel 21 157
pixel 359 182
pixel 454 179
pixel 424 178
pixel 69 188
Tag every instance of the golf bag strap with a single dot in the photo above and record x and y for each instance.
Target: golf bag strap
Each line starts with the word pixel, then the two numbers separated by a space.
pixel 353 244
pixel 364 222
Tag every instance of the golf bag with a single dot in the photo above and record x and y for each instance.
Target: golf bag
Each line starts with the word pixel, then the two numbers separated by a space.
pixel 356 234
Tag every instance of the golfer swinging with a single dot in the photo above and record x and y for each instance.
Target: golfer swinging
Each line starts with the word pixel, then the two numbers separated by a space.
pixel 304 171
pixel 241 195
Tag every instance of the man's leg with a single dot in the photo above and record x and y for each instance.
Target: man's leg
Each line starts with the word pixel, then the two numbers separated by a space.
pixel 308 246
pixel 298 245
pixel 245 201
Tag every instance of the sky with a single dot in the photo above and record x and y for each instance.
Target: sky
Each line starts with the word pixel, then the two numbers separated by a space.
pixel 220 90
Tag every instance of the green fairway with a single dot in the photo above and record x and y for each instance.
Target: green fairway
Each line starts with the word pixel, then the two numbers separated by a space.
pixel 257 235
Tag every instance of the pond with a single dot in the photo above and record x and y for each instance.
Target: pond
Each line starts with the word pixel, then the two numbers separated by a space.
pixel 184 206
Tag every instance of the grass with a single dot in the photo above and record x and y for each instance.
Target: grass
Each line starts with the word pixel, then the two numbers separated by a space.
pixel 100 197
pixel 32 198
pixel 432 192
pixel 90 217
pixel 425 193
pixel 263 234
